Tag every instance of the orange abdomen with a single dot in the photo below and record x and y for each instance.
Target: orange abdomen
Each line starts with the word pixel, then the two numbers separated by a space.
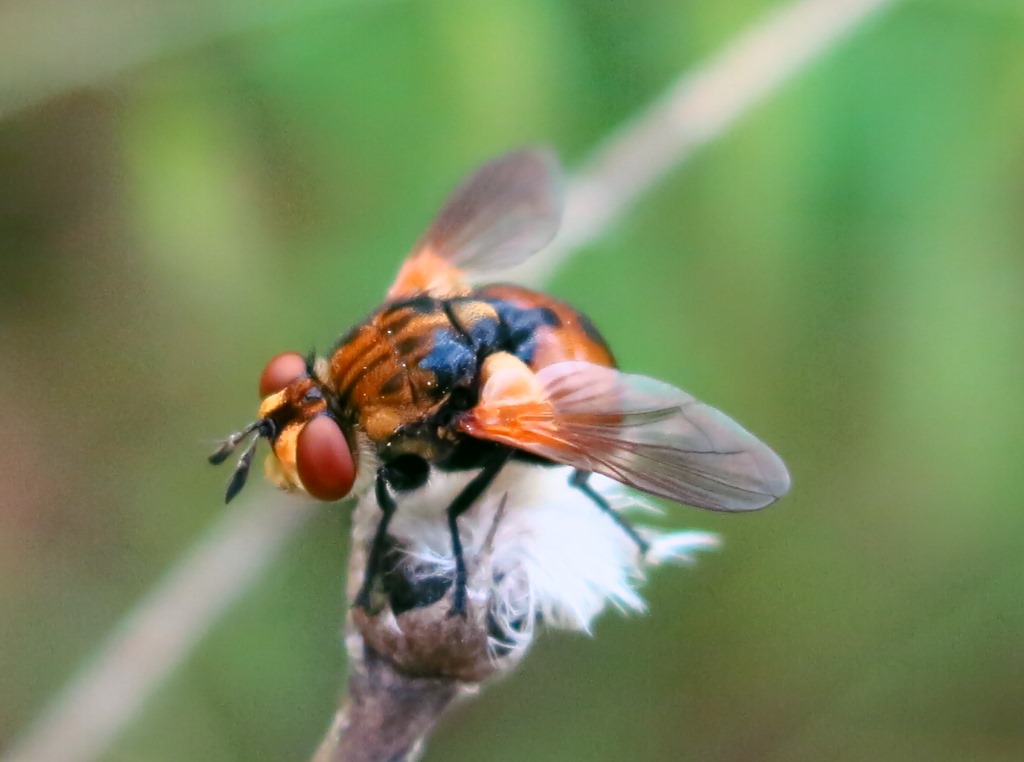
pixel 571 337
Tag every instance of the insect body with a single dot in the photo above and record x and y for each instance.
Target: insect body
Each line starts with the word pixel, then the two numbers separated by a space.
pixel 408 372
pixel 450 376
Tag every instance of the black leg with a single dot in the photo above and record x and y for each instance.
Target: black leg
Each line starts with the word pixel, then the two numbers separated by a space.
pixel 460 505
pixel 373 560
pixel 579 480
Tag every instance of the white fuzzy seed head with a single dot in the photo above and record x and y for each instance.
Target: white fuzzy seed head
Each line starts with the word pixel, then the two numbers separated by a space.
pixel 538 550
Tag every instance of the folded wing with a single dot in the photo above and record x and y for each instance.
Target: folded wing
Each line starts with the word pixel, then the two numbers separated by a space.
pixel 636 430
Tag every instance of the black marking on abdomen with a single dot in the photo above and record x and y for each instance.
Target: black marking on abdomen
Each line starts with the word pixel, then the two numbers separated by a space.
pixel 452 361
pixel 548 317
pixel 521 326
pixel 590 330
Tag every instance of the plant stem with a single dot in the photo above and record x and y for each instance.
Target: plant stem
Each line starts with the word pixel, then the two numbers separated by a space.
pixel 386 715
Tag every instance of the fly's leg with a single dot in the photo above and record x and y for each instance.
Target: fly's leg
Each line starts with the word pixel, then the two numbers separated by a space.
pixel 377 548
pixel 463 501
pixel 580 480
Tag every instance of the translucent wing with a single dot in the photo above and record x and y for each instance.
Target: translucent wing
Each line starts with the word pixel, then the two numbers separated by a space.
pixel 507 210
pixel 636 430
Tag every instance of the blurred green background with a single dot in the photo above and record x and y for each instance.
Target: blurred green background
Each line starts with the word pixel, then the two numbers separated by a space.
pixel 189 188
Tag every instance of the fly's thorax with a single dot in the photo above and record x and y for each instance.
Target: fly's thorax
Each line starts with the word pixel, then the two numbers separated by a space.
pixel 395 373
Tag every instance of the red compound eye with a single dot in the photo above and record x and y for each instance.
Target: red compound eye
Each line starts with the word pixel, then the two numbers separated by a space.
pixel 324 459
pixel 281 371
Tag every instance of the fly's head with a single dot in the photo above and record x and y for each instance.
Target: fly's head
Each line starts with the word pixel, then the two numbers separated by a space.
pixel 309 450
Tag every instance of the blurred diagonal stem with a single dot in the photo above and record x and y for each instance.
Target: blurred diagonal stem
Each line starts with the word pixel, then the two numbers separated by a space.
pixel 695 109
pixel 90 713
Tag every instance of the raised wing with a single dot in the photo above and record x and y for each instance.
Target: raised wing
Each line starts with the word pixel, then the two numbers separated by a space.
pixel 506 211
pixel 636 430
